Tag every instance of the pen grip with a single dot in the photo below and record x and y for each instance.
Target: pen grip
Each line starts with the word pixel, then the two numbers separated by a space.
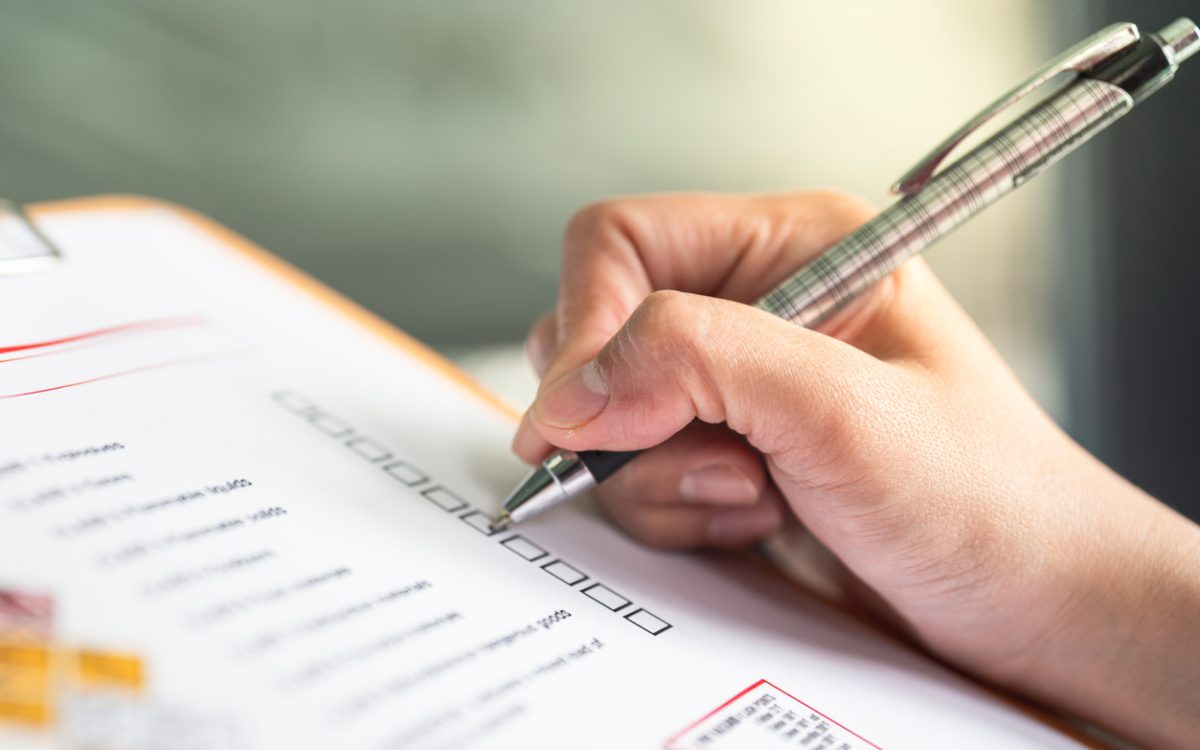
pixel 603 464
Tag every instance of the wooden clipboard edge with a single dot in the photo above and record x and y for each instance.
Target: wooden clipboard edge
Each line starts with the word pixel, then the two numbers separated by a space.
pixel 281 269
pixel 389 333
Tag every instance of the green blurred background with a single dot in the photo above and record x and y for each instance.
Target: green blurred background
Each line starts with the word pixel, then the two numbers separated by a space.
pixel 424 156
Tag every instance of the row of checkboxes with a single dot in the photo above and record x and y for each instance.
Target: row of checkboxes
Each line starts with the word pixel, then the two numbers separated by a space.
pixel 568 574
pixel 417 479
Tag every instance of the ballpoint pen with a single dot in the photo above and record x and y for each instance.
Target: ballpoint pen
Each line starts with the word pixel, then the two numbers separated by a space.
pixel 1114 69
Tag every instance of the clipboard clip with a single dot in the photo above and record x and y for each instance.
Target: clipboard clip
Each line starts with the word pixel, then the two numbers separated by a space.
pixel 1104 45
pixel 36 251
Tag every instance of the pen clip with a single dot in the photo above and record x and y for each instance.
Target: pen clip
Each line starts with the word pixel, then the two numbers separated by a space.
pixel 1103 45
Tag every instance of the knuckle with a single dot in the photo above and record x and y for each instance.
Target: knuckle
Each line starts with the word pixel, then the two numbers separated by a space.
pixel 543 326
pixel 596 218
pixel 662 329
pixel 541 343
pixel 846 207
pixel 667 315
pixel 669 340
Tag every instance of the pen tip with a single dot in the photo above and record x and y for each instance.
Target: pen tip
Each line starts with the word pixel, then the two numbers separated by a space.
pixel 500 522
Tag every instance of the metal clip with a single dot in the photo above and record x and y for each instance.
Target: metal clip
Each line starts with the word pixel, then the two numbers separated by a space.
pixel 1103 45
pixel 45 255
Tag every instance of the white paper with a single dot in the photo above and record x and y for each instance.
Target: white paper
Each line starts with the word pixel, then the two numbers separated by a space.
pixel 283 515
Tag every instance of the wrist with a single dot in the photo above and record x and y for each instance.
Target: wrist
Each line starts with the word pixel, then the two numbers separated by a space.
pixel 1117 644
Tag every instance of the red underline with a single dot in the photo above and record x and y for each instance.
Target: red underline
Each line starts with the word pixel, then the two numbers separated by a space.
pixel 109 376
pixel 184 320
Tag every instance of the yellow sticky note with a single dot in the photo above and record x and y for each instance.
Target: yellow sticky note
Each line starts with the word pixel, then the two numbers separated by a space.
pixel 25 689
pixel 107 669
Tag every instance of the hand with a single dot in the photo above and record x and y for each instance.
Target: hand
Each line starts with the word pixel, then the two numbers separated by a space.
pixel 894 434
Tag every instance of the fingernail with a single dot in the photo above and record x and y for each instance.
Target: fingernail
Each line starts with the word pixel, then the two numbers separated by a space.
pixel 720 484
pixel 574 399
pixel 731 528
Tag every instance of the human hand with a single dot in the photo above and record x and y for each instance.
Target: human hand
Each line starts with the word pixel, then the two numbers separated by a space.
pixel 894 433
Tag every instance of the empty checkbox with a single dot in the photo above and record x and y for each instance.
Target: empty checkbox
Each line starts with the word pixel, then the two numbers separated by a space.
pixel 606 596
pixel 564 572
pixel 368 449
pixel 293 401
pixel 652 624
pixel 330 425
pixel 524 548
pixel 444 499
pixel 479 521
pixel 406 473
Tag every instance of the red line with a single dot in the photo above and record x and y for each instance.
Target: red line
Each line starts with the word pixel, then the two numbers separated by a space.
pixel 709 715
pixel 143 368
pixel 183 320
pixel 51 353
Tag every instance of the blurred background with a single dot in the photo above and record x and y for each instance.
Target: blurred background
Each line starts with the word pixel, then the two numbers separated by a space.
pixel 424 156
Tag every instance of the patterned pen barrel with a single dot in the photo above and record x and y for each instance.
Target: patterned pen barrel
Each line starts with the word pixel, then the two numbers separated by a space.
pixel 949 199
pixel 1117 68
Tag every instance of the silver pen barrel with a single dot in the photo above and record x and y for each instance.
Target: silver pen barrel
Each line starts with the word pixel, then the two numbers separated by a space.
pixel 557 479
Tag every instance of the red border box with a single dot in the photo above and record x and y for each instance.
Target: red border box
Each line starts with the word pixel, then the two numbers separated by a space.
pixel 670 743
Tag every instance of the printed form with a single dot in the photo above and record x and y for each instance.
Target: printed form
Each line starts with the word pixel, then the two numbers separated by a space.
pixel 234 515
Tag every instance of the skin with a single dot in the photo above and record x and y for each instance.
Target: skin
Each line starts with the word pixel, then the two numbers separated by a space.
pixel 948 503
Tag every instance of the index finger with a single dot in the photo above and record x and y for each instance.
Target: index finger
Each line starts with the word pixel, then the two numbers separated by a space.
pixel 737 247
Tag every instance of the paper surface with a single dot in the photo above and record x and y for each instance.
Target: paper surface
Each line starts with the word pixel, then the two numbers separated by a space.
pixel 232 517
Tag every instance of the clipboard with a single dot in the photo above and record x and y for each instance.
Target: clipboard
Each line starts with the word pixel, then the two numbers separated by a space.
pixel 36 253
pixel 41 255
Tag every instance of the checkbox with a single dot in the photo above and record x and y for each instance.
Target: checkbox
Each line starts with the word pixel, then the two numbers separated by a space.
pixel 606 596
pixel 330 425
pixel 293 401
pixel 479 521
pixel 444 499
pixel 524 548
pixel 369 449
pixel 564 572
pixel 652 624
pixel 407 473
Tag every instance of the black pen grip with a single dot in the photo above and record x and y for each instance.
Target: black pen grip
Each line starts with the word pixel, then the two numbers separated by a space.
pixel 603 464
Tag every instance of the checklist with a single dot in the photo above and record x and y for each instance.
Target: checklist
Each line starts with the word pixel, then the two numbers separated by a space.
pixel 246 512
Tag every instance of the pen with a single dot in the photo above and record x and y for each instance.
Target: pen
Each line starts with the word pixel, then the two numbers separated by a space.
pixel 1114 69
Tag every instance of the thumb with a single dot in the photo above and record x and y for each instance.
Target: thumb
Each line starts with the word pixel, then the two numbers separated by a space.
pixel 681 357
